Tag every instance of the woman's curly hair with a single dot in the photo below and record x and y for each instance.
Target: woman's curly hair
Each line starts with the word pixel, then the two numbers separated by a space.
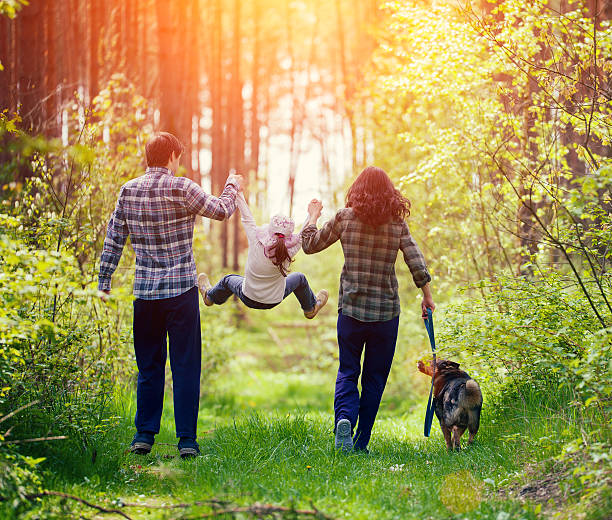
pixel 375 200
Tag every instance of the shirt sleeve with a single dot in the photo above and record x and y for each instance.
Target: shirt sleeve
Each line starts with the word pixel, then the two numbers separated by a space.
pixel 248 222
pixel 314 240
pixel 116 235
pixel 198 202
pixel 414 258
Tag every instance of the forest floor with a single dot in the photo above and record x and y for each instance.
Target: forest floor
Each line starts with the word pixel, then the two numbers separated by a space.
pixel 266 441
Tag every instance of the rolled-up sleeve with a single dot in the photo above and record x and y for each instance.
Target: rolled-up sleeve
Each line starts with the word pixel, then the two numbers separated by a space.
pixel 414 258
pixel 116 235
pixel 199 202
pixel 315 240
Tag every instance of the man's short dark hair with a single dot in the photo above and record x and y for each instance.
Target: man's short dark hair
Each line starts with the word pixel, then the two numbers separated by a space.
pixel 160 148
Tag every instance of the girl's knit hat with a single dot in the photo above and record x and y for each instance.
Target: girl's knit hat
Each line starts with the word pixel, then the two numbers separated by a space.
pixel 280 227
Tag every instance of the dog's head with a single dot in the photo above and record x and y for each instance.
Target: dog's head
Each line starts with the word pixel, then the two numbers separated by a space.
pixel 444 365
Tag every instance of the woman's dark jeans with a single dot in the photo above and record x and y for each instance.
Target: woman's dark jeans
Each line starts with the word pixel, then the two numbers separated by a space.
pixel 379 339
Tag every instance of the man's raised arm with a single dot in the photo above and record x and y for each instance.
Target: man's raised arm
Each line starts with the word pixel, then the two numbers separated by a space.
pixel 217 208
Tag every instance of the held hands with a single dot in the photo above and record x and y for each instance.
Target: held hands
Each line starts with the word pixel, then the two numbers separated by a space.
pixel 235 179
pixel 315 207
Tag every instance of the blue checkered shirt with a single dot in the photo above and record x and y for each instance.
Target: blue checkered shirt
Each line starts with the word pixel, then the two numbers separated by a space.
pixel 157 211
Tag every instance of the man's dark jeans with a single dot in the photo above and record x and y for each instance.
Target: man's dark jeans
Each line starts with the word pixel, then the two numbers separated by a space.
pixel 231 284
pixel 177 318
pixel 379 339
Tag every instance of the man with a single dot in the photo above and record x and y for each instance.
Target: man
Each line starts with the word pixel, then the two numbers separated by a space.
pixel 157 211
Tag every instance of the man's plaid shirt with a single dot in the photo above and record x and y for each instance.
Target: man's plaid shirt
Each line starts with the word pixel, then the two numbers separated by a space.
pixel 157 211
pixel 368 286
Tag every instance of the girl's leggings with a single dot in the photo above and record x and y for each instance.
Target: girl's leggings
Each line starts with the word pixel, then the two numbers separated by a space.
pixel 232 284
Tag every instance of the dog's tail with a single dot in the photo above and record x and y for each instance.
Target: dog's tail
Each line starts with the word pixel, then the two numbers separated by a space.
pixel 473 395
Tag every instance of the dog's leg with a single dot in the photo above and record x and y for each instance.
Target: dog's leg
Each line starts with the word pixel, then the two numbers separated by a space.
pixel 457 433
pixel 447 437
pixel 473 425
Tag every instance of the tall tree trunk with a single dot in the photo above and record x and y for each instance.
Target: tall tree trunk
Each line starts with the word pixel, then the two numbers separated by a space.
pixel 7 60
pixel 193 83
pixel 52 127
pixel 131 41
pixel 29 66
pixel 255 124
pixel 236 135
pixel 218 168
pixel 347 84
pixel 95 24
pixel 293 130
pixel 168 68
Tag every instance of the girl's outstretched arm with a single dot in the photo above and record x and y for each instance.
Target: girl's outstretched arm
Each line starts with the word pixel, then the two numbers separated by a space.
pixel 248 222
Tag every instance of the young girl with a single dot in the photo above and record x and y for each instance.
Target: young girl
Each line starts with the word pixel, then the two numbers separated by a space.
pixel 372 230
pixel 266 281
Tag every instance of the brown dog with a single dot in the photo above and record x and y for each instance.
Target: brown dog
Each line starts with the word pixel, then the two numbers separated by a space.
pixel 457 401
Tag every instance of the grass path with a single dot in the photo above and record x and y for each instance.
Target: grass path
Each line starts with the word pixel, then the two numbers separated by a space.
pixel 289 460
pixel 270 440
pixel 275 457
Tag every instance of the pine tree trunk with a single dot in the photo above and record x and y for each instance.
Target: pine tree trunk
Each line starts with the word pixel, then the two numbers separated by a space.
pixel 6 59
pixel 236 139
pixel 52 128
pixel 29 66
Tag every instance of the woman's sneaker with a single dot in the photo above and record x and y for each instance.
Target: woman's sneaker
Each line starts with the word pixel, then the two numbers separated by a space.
pixel 321 301
pixel 344 438
pixel 204 286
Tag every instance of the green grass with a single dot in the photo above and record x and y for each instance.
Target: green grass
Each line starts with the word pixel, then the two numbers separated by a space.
pixel 277 451
pixel 288 459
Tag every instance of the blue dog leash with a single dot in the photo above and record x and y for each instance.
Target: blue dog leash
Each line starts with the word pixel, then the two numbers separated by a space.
pixel 430 408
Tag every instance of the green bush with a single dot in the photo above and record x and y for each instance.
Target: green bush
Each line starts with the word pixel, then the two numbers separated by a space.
pixel 535 344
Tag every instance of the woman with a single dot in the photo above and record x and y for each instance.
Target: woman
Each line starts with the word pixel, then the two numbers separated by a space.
pixel 372 230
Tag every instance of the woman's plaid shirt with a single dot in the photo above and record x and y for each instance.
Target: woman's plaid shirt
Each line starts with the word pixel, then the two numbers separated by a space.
pixel 157 211
pixel 368 285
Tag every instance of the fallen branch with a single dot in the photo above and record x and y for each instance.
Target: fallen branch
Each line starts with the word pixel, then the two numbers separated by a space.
pixel 210 502
pixel 38 439
pixel 295 325
pixel 98 508
pixel 259 510
pixel 275 337
pixel 14 412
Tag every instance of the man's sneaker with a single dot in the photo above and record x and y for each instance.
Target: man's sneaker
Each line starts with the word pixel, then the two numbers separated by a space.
pixel 344 439
pixel 204 286
pixel 321 301
pixel 142 443
pixel 188 448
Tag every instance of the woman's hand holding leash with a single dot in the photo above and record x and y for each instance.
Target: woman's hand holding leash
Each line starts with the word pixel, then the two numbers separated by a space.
pixel 427 302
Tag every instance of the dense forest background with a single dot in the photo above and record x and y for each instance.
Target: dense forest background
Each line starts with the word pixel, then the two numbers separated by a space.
pixel 494 118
